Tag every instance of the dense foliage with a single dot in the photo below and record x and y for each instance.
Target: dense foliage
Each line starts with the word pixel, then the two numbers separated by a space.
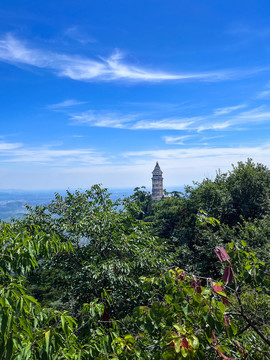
pixel 184 277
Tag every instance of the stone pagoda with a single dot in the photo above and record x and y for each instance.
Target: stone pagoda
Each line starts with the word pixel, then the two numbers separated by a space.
pixel 157 183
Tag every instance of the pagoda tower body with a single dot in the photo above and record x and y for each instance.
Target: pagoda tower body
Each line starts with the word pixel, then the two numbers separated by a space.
pixel 157 183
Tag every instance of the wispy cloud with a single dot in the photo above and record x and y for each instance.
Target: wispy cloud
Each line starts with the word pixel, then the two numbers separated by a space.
pixel 6 146
pixel 19 153
pixel 103 119
pixel 259 114
pixel 219 120
pixel 65 104
pixel 115 67
pixel 228 110
pixel 164 124
pixel 77 34
pixel 130 121
pixel 263 94
pixel 214 126
pixel 206 138
pixel 176 140
pixel 190 153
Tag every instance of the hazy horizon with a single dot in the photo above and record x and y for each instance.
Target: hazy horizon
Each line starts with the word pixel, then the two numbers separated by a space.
pixel 12 202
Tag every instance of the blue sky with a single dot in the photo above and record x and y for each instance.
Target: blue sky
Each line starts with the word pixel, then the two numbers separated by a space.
pixel 98 91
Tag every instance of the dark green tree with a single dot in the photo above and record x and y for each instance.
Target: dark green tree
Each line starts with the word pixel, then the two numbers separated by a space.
pixel 240 194
pixel 141 201
pixel 111 250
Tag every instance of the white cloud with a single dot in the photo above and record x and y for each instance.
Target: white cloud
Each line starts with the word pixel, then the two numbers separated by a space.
pixel 75 33
pixel 65 104
pixel 220 120
pixel 263 94
pixel 103 119
pixel 18 153
pixel 112 68
pixel 259 114
pixel 214 126
pixel 176 140
pixel 164 124
pixel 191 153
pixel 228 110
pixel 5 146
pixel 206 138
pixel 129 121
pixel 14 51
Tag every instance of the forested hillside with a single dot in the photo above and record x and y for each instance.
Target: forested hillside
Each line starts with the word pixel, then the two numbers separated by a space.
pixel 186 277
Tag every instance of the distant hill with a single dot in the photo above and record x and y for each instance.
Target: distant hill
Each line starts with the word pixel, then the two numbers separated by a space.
pixel 12 202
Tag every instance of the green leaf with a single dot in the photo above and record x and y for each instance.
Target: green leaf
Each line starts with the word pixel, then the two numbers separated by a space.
pixel 180 329
pixel 230 333
pixel 208 333
pixel 221 307
pixel 193 341
pixel 234 328
pixel 31 298
pixel 99 332
pixel 64 325
pixel 129 339
pixel 47 339
pixel 177 344
pixel 169 298
pixel 184 352
pixel 27 352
